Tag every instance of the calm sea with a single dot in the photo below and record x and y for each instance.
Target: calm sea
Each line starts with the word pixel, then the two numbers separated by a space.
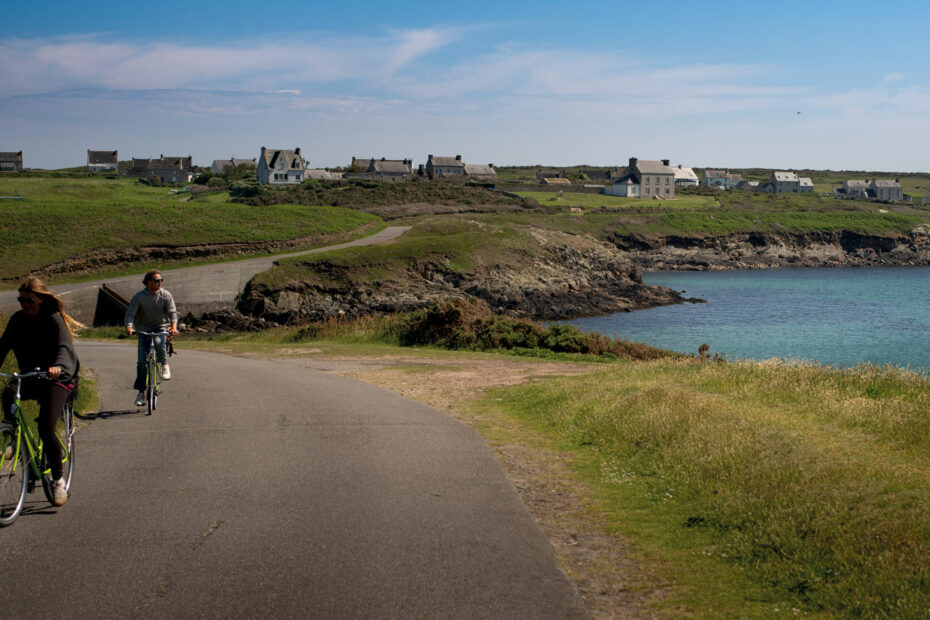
pixel 837 316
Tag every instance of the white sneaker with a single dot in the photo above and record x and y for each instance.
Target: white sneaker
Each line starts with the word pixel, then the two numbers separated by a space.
pixel 59 493
pixel 165 372
pixel 140 399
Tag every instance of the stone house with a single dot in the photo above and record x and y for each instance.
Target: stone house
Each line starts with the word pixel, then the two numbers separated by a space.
pixel 11 162
pixel 165 169
pixel 398 169
pixel 437 167
pixel 101 161
pixel 785 182
pixel 805 185
pixel 886 190
pixel 855 189
pixel 219 166
pixel 645 179
pixel 281 167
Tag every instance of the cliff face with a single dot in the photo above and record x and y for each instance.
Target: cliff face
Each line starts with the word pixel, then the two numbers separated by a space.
pixel 574 276
pixel 766 250
pixel 569 277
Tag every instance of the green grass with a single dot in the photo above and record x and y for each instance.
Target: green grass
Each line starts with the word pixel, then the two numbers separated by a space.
pixel 61 218
pixel 593 201
pixel 761 487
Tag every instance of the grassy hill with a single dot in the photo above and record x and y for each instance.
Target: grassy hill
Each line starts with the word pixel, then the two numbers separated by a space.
pixel 54 219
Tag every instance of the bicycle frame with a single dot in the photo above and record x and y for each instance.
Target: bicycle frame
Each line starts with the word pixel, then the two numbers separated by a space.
pixel 31 442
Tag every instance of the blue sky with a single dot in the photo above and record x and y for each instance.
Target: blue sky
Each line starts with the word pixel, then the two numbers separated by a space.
pixel 827 85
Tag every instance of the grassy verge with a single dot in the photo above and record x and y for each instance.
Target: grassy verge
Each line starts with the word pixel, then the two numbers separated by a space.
pixel 761 487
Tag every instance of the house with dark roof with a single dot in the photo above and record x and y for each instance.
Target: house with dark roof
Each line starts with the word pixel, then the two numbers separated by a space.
pixel 222 166
pixel 644 179
pixel 721 178
pixel 281 167
pixel 165 169
pixel 395 168
pixel 101 161
pixel 886 190
pixel 11 162
pixel 437 167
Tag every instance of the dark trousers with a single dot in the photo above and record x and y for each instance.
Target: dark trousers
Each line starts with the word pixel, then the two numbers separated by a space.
pixel 51 397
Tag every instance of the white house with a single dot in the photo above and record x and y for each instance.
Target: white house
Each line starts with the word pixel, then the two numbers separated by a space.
pixel 805 185
pixel 281 167
pixel 684 177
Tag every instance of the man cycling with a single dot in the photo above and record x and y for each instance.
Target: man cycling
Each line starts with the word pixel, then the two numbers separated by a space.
pixel 152 309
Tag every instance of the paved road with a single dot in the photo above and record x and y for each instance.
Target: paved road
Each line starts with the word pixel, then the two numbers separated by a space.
pixel 195 289
pixel 263 489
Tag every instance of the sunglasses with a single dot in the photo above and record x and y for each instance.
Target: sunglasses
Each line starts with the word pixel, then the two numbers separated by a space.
pixel 157 280
pixel 27 300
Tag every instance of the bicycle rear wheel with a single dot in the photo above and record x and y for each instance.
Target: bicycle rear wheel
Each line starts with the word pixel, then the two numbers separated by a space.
pixel 13 477
pixel 64 435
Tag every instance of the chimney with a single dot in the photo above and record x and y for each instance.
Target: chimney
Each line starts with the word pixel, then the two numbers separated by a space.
pixel 633 161
pixel 458 158
pixel 665 162
pixel 297 151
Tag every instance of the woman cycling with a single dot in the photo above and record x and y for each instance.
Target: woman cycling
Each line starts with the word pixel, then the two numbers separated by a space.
pixel 40 335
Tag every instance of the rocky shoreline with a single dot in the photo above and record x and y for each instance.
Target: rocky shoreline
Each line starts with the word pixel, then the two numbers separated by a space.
pixel 767 250
pixel 576 276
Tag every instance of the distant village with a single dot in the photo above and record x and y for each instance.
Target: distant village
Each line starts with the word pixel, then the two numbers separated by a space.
pixel 651 179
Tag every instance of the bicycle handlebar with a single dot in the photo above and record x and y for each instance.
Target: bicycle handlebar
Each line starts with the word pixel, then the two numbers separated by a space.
pixel 38 374
pixel 159 333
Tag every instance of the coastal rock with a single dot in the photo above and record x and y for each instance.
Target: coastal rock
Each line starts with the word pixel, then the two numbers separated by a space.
pixel 571 276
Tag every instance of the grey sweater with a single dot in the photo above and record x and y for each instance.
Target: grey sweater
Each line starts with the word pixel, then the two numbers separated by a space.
pixel 151 311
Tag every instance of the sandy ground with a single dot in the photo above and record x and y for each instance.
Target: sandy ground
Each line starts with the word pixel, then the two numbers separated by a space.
pixel 613 582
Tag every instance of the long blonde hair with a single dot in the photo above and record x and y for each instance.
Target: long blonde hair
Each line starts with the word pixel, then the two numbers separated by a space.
pixel 50 302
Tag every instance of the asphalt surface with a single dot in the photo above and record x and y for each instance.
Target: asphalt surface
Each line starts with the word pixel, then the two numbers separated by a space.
pixel 263 489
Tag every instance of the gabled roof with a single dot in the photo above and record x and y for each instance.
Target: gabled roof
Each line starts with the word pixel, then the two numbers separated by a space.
pixel 390 166
pixel 11 156
pixel 480 170
pixel 235 162
pixel 646 166
pixel 785 176
pixel 291 158
pixel 322 175
pixel 886 183
pixel 806 181
pixel 447 162
pixel 102 157
pixel 856 184
pixel 556 181
pixel 683 172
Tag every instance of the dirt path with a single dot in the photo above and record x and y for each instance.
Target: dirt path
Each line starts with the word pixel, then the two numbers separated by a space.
pixel 613 582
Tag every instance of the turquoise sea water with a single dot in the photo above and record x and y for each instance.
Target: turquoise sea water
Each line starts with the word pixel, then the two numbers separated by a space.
pixel 836 316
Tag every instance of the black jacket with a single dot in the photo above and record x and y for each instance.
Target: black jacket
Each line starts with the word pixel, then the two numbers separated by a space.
pixel 40 341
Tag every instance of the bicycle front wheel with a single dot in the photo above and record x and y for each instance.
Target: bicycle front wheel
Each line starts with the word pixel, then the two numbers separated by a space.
pixel 13 477
pixel 64 435
pixel 152 387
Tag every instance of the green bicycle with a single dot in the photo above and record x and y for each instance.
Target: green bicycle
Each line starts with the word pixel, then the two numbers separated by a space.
pixel 152 372
pixel 22 459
